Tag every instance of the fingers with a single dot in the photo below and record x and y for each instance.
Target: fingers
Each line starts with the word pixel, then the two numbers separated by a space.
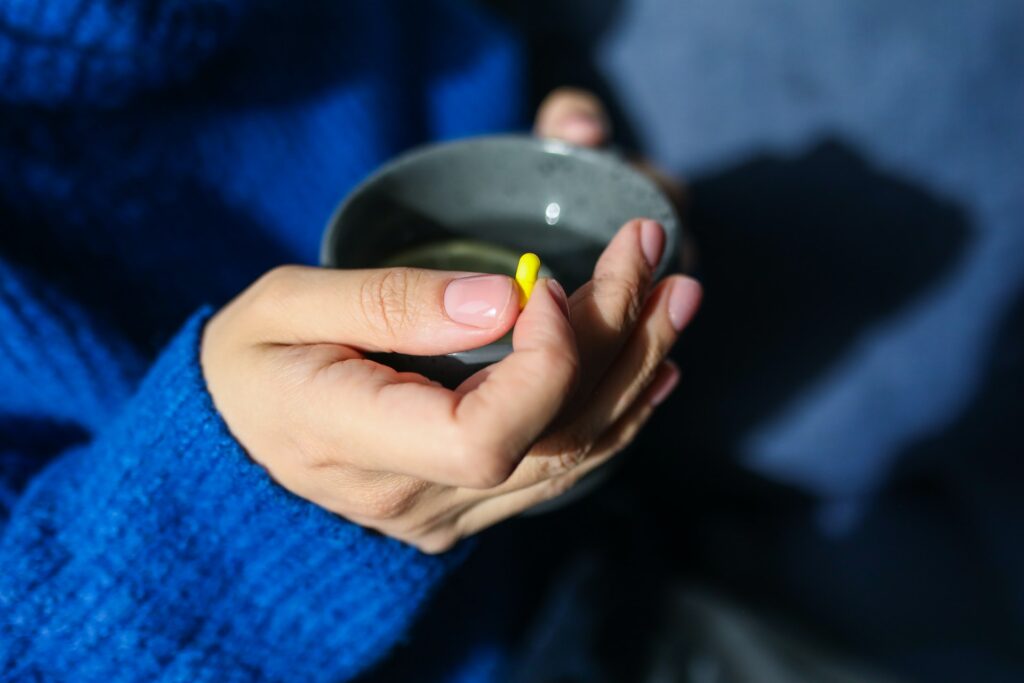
pixel 604 316
pixel 521 394
pixel 510 500
pixel 471 438
pixel 670 308
pixel 605 310
pixel 573 115
pixel 403 310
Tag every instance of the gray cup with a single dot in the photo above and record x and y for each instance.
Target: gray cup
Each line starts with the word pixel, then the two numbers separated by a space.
pixel 558 200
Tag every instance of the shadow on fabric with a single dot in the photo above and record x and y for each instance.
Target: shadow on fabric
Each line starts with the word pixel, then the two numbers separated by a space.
pixel 799 257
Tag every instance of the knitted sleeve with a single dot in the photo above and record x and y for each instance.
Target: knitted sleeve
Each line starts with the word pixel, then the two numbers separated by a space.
pixel 155 550
pixel 100 52
pixel 485 59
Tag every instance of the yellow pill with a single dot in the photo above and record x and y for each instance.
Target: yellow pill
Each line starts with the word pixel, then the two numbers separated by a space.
pixel 526 276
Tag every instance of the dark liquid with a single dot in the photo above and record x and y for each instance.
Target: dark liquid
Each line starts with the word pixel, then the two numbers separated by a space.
pixel 461 255
pixel 398 236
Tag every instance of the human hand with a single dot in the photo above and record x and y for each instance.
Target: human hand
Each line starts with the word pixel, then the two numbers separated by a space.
pixel 392 451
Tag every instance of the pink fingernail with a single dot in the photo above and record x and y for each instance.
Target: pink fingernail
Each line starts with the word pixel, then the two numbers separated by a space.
pixel 652 241
pixel 478 300
pixel 583 128
pixel 559 294
pixel 664 383
pixel 683 301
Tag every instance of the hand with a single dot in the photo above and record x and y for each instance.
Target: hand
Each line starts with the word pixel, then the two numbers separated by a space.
pixel 285 365
pixel 392 451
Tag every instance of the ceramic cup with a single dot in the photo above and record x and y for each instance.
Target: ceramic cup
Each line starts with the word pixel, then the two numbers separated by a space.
pixel 516 192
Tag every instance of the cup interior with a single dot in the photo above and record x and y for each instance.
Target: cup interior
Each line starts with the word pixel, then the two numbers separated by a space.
pixel 508 193
pixel 560 201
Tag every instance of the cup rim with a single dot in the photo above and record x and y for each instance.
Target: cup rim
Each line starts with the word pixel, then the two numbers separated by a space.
pixel 672 226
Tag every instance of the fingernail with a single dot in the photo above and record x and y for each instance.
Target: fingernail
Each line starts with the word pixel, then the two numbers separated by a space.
pixel 477 300
pixel 582 127
pixel 559 294
pixel 652 241
pixel 682 302
pixel 664 383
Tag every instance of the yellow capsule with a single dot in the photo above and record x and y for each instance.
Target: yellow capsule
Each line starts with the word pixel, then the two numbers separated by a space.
pixel 526 276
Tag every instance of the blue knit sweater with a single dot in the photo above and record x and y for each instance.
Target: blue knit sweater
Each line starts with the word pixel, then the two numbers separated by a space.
pixel 155 157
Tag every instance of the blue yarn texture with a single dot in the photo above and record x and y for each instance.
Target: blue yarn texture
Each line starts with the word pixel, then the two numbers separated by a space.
pixel 155 158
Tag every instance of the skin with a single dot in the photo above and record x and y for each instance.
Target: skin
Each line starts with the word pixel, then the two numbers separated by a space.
pixel 285 364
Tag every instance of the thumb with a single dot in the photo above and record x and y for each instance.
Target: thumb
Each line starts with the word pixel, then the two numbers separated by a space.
pixel 573 115
pixel 399 310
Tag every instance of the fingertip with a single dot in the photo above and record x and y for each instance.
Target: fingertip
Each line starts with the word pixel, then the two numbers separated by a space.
pixel 652 241
pixel 582 128
pixel 694 285
pixel 629 248
pixel 548 297
pixel 545 320
pixel 664 383
pixel 575 116
pixel 683 300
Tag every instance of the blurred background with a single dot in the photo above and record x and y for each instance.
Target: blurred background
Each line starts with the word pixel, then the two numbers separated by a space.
pixel 835 492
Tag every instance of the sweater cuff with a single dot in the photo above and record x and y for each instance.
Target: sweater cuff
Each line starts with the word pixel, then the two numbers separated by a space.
pixel 173 549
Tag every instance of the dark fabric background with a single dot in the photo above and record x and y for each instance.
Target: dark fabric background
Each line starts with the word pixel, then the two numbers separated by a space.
pixel 846 447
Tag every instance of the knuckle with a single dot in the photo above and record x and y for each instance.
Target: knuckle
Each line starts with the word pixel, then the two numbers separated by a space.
pixel 385 299
pixel 277 280
pixel 382 504
pixel 492 470
pixel 436 542
pixel 571 458
pixel 274 289
pixel 567 451
pixel 483 466
pixel 563 451
pixel 621 299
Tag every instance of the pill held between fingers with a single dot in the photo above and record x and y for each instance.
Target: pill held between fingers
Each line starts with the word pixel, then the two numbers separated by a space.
pixel 526 276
